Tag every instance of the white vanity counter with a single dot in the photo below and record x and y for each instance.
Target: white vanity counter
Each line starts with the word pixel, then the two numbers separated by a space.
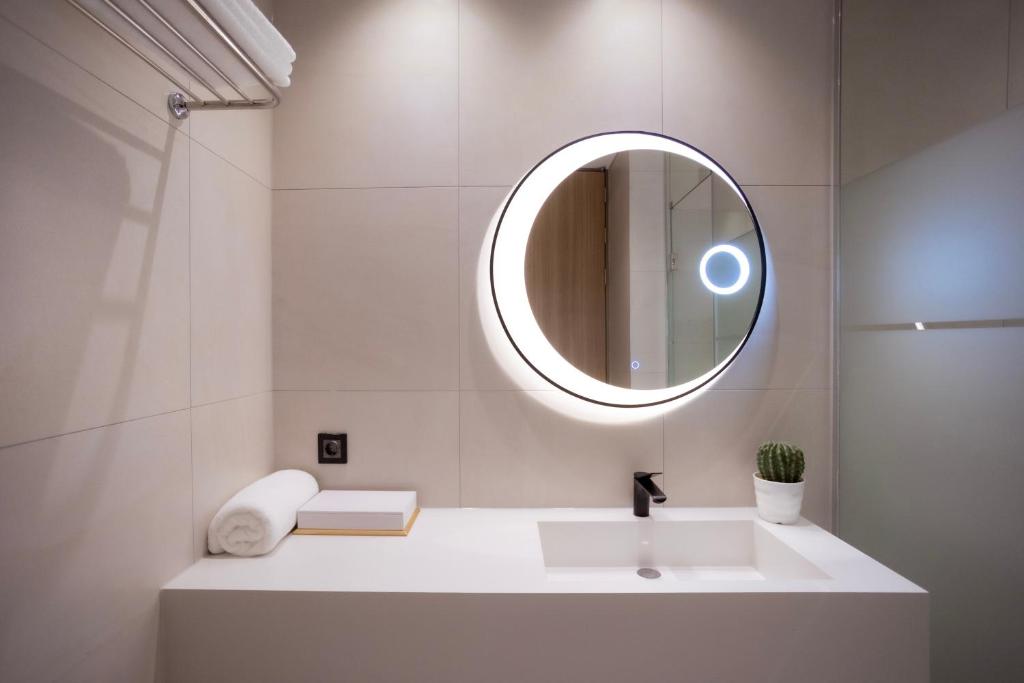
pixel 467 550
pixel 522 595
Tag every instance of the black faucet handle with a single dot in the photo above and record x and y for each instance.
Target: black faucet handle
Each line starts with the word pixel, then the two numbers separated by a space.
pixel 645 475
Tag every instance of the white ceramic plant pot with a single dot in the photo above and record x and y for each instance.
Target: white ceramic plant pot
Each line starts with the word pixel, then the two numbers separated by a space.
pixel 778 502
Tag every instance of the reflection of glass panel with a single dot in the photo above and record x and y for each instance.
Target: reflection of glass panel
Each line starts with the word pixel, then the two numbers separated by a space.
pixel 732 312
pixel 706 327
pixel 692 310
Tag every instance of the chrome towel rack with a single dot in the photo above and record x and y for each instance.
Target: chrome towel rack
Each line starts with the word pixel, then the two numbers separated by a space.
pixel 183 102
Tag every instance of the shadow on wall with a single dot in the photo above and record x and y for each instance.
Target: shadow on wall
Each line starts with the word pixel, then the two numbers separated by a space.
pixel 55 272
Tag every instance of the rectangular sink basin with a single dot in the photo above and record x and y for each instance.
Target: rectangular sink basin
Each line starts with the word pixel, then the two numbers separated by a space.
pixel 698 550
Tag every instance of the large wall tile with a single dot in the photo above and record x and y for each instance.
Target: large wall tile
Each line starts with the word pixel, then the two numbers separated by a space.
pixel 242 137
pixel 231 263
pixel 404 440
pixel 94 264
pixel 366 289
pixel 373 100
pixel 232 446
pixel 711 444
pixel 478 368
pixel 791 344
pixel 536 75
pixel 518 453
pixel 944 65
pixel 750 83
pixel 66 30
pixel 1015 96
pixel 93 524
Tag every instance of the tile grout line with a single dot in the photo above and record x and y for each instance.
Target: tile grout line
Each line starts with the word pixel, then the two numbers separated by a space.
pixel 354 188
pixel 239 397
pixel 347 390
pixel 92 428
pixel 188 288
pixel 229 162
pixel 458 232
pixel 664 457
pixel 834 215
pixel 485 390
pixel 379 187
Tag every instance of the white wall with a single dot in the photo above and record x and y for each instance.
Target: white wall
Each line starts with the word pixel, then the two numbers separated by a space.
pixel 930 431
pixel 135 346
pixel 407 123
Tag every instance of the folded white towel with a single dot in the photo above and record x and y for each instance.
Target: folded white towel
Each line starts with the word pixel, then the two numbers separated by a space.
pixel 256 518
pixel 256 35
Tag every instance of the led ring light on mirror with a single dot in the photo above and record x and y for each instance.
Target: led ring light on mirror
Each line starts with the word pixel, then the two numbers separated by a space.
pixel 696 200
pixel 742 263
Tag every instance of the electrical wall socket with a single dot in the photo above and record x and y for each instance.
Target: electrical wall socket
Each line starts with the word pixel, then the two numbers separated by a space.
pixel 332 448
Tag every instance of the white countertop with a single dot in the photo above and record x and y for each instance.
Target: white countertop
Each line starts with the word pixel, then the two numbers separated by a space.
pixel 498 550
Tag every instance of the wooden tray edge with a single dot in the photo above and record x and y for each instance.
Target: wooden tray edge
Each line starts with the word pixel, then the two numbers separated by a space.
pixel 361 532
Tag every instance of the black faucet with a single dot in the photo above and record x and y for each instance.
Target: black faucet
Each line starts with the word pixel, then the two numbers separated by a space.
pixel 645 490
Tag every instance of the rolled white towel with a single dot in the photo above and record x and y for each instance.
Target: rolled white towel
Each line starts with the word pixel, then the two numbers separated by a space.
pixel 256 518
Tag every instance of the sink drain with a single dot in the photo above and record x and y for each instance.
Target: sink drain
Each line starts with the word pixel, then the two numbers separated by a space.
pixel 648 573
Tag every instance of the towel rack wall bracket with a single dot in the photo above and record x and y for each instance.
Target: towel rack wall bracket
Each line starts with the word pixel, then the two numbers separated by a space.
pixel 178 105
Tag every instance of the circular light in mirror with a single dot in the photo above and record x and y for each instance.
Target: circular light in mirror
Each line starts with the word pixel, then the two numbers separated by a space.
pixel 742 269
pixel 535 266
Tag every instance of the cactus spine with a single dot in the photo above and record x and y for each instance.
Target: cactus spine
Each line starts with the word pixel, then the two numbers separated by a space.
pixel 782 462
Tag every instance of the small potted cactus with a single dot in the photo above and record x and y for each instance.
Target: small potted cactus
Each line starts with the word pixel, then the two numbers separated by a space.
pixel 779 482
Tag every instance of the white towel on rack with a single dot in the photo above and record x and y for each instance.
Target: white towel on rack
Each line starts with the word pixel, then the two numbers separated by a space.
pixel 256 518
pixel 254 33
pixel 241 20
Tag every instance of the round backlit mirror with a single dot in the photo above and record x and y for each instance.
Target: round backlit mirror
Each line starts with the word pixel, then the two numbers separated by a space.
pixel 627 269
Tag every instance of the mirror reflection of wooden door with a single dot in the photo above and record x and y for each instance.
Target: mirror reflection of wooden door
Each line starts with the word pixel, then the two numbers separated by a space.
pixel 565 271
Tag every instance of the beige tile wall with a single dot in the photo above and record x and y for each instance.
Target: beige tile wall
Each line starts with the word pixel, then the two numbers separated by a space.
pixel 408 123
pixel 135 355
